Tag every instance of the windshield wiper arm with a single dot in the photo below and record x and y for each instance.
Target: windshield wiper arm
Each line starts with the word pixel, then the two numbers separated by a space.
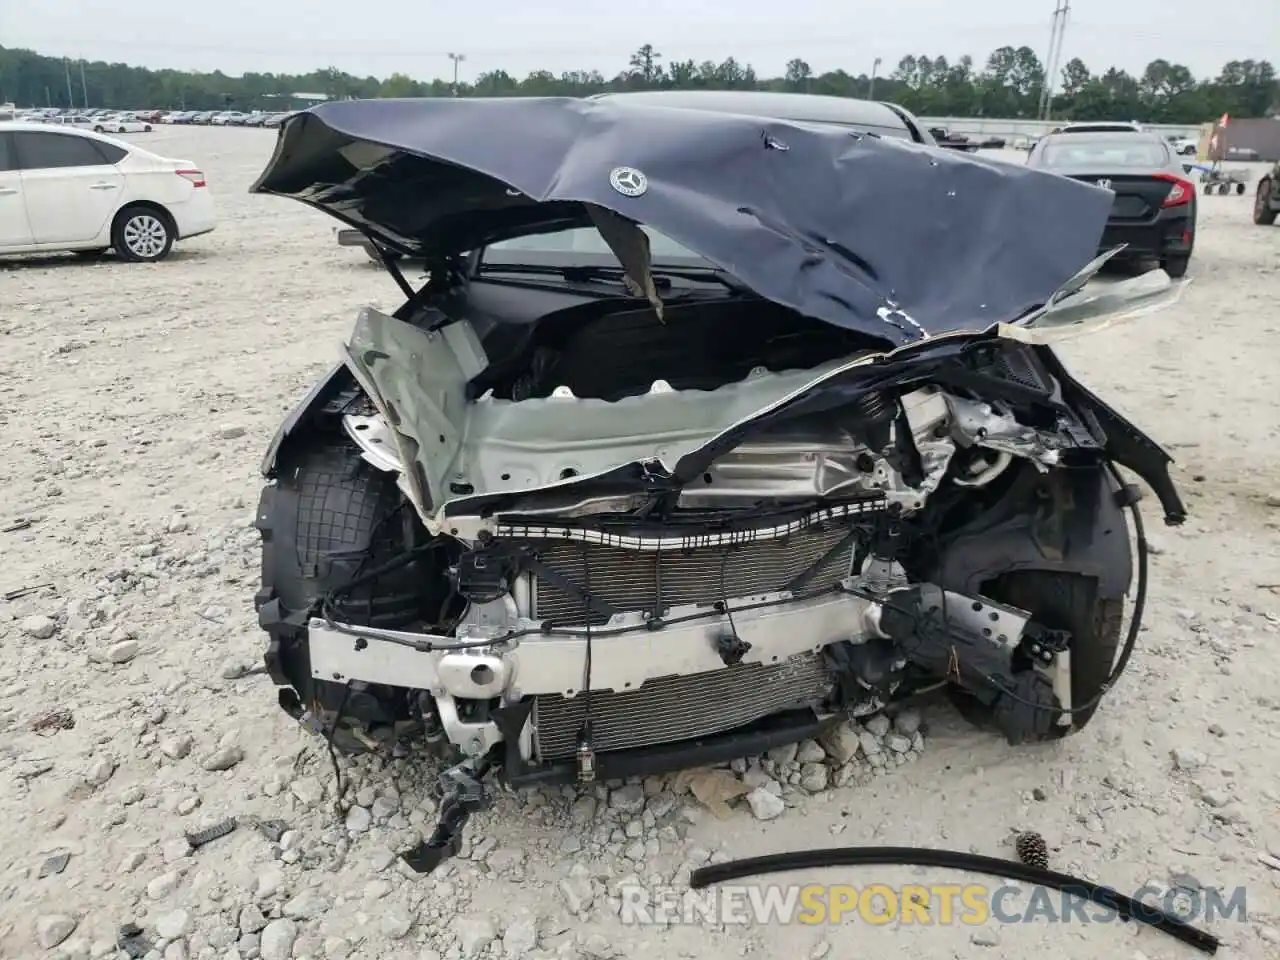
pixel 573 273
pixel 584 273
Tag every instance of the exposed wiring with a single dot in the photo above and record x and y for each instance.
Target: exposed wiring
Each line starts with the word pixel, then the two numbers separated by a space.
pixel 724 609
pixel 549 627
pixel 1135 621
pixel 724 593
pixel 339 784
pixel 1131 638
pixel 584 735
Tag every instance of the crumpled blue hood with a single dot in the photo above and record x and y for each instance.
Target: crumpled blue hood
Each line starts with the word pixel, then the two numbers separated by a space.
pixel 882 236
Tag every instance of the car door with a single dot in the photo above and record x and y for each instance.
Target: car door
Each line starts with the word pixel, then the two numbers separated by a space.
pixel 15 226
pixel 71 185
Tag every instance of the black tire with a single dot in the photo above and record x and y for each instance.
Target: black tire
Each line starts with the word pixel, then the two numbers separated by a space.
pixel 373 254
pixel 328 516
pixel 1061 601
pixel 1264 215
pixel 1239 189
pixel 99 129
pixel 1176 266
pixel 146 128
pixel 142 234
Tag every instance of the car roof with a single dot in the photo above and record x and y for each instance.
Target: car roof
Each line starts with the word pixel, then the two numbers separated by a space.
pixel 802 107
pixel 1099 126
pixel 18 126
pixel 1103 136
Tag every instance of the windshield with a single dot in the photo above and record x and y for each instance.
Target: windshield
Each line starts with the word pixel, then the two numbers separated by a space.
pixel 1121 151
pixel 583 240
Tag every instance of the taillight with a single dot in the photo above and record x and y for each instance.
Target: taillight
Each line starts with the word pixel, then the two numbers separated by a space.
pixel 1181 192
pixel 195 176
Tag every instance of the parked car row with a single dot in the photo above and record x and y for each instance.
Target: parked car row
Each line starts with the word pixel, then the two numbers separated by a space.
pixel 100 121
pixel 141 121
pixel 225 118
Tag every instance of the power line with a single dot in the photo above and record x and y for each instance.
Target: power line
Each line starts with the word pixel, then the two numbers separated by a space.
pixel 1052 57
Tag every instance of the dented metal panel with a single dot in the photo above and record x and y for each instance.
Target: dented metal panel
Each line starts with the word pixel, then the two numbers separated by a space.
pixel 887 237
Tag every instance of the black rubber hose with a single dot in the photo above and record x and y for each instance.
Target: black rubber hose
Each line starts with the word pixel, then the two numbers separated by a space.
pixel 1125 907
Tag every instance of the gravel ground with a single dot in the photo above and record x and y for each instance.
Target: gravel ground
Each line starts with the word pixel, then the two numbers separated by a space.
pixel 137 403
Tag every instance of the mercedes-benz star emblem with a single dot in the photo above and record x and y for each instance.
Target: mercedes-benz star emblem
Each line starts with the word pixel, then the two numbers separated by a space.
pixel 628 181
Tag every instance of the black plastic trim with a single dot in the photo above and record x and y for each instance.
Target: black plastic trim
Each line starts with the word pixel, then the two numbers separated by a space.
pixel 757 738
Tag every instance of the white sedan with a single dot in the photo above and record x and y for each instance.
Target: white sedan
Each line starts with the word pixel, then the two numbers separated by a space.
pixel 120 123
pixel 68 189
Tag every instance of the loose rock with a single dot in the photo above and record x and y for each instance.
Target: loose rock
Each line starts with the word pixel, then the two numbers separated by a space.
pixel 277 939
pixel 224 758
pixel 765 805
pixel 40 628
pixel 122 651
pixel 174 924
pixel 53 928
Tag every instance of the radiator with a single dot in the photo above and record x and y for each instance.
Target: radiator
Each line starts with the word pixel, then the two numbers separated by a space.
pixel 670 709
pixel 633 580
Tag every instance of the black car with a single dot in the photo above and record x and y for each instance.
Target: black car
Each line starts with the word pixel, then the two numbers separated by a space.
pixel 1154 212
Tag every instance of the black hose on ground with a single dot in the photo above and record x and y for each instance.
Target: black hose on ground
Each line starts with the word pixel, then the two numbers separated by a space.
pixel 1125 907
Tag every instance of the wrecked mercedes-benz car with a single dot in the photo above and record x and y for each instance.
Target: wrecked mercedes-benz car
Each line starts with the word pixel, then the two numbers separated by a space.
pixel 704 431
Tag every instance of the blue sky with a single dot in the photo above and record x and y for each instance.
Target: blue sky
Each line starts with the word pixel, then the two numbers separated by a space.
pixel 414 36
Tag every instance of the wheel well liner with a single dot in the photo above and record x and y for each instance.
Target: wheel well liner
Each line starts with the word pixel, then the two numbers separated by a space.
pixel 1081 530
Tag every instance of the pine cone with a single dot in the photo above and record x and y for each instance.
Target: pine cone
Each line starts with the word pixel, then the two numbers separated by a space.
pixel 1032 850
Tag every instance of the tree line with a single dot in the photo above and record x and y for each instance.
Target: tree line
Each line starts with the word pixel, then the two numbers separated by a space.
pixel 1008 85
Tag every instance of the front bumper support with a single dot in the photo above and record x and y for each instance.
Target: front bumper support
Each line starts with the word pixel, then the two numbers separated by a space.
pixel 510 660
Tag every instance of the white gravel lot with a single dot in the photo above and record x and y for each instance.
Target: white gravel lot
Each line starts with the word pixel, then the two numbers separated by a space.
pixel 137 401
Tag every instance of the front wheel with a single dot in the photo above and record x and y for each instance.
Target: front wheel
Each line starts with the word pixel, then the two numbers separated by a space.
pixel 142 235
pixel 1263 213
pixel 1176 266
pixel 1061 601
pixel 146 129
pixel 328 518
pixel 373 254
pixel 99 129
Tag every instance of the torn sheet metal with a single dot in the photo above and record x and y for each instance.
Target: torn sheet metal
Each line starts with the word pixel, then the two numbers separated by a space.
pixel 463 450
pixel 459 449
pixel 630 245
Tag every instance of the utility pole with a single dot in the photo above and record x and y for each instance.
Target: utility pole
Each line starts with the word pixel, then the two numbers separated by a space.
pixel 871 87
pixel 1053 56
pixel 457 58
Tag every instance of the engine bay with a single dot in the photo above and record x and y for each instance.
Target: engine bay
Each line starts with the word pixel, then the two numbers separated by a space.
pixel 609 349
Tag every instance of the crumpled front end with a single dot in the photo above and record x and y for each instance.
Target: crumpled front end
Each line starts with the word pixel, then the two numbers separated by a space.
pixel 754 606
pixel 572 522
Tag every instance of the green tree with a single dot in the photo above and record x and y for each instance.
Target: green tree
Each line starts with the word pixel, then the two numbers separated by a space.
pixel 798 76
pixel 401 85
pixel 644 66
pixel 1009 85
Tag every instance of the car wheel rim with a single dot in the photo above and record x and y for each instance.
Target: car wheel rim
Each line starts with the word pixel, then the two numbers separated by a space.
pixel 145 236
